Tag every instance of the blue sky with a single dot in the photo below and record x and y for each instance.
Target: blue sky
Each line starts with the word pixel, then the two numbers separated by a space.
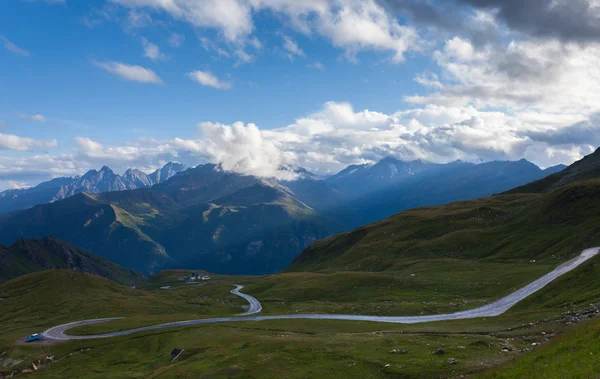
pixel 254 84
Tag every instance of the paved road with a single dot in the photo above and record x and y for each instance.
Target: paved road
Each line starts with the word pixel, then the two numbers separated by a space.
pixel 493 309
pixel 254 307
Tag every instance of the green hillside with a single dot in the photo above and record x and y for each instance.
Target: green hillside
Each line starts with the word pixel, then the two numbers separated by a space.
pixel 30 255
pixel 585 169
pixel 204 217
pixel 517 228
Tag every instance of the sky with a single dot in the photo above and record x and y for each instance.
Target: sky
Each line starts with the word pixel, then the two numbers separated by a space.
pixel 256 85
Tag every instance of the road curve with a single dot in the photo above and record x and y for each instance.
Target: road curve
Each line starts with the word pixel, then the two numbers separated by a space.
pixel 254 307
pixel 493 309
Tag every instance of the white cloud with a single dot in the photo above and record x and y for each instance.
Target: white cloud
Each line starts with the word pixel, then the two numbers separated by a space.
pixel 231 17
pixel 13 48
pixel 12 184
pixel 33 117
pixel 16 143
pixel 130 72
pixel 352 25
pixel 176 39
pixel 317 65
pixel 243 149
pixel 548 75
pixel 292 47
pixel 328 140
pixel 207 79
pixel 151 51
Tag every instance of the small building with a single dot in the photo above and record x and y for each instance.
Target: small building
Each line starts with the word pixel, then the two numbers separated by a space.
pixel 205 277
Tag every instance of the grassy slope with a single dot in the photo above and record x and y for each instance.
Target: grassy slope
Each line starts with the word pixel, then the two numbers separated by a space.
pixel 274 349
pixel 438 286
pixel 304 348
pixel 468 250
pixel 43 299
pixel 585 169
pixel 438 259
pixel 13 264
pixel 504 229
pixel 572 355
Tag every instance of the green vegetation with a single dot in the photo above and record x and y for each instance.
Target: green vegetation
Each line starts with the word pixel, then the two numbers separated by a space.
pixel 572 355
pixel 548 228
pixel 300 348
pixel 269 349
pixel 421 287
pixel 222 221
pixel 422 261
pixel 585 169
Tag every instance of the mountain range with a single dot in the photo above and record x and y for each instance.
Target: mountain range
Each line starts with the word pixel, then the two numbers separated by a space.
pixel 547 220
pixel 237 224
pixel 91 182
pixel 359 195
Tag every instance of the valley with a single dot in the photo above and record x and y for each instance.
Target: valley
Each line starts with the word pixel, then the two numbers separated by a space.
pixel 338 301
pixel 229 223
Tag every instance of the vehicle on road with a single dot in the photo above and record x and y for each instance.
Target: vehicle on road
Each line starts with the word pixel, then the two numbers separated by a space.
pixel 34 337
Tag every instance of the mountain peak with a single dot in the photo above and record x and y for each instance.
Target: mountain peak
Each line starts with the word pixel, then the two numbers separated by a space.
pixel 166 172
pixel 105 169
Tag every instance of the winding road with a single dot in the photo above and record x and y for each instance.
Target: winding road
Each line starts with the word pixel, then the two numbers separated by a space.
pixel 493 309
pixel 254 307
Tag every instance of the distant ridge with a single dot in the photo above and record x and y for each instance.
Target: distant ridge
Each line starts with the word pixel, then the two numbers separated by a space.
pixel 584 169
pixel 229 223
pixel 92 182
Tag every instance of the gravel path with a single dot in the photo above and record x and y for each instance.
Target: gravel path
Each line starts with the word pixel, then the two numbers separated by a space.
pixel 493 309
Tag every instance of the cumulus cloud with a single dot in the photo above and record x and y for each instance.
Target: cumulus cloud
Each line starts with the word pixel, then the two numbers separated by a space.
pixel 130 72
pixel 332 138
pixel 352 25
pixel 567 20
pixel 586 132
pixel 242 148
pixel 33 117
pixel 231 17
pixel 484 21
pixel 151 51
pixel 555 77
pixel 12 47
pixel 207 79
pixel 16 143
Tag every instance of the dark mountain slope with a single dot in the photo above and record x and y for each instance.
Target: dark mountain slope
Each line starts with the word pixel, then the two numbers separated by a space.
pixel 586 168
pixel 95 225
pixel 215 220
pixel 432 185
pixel 31 255
pixel 503 228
